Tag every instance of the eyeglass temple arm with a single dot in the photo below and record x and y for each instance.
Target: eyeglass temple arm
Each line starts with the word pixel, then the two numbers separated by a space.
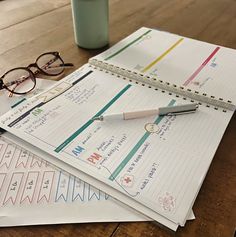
pixel 68 65
pixel 62 65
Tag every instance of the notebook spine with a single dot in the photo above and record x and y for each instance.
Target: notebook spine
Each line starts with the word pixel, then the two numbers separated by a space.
pixel 194 96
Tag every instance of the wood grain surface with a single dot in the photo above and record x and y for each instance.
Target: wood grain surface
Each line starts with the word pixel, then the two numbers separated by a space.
pixel 31 27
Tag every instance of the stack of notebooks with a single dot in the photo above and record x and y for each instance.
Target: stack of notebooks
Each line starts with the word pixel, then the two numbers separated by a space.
pixel 155 165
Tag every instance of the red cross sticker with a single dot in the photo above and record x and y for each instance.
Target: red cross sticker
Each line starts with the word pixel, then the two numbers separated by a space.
pixel 127 180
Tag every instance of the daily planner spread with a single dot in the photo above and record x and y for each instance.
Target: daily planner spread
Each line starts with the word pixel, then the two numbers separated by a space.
pixel 156 164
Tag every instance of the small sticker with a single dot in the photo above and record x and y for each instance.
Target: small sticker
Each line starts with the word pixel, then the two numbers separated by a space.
pixel 167 201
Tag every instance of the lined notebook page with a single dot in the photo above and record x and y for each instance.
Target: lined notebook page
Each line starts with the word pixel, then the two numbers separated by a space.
pixel 31 185
pixel 159 162
pixel 200 66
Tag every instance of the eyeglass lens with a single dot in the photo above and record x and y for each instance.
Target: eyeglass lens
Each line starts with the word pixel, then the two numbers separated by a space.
pixel 50 64
pixel 19 81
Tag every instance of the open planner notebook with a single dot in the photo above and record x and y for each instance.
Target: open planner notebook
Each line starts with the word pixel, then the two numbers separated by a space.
pixel 156 164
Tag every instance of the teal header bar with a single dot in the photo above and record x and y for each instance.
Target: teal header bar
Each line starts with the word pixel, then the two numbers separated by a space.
pixel 126 46
pixel 81 129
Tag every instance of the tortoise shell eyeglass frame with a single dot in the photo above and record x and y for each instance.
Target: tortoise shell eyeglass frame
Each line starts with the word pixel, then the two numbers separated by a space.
pixel 44 69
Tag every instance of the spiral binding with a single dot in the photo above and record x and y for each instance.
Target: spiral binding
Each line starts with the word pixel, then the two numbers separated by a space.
pixel 166 86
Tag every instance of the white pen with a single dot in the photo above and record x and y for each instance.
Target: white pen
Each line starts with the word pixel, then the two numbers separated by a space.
pixel 169 110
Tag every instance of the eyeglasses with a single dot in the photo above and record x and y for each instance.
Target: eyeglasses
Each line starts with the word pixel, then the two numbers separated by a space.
pixel 22 80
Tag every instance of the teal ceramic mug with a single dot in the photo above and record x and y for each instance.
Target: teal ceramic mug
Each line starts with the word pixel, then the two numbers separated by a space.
pixel 91 23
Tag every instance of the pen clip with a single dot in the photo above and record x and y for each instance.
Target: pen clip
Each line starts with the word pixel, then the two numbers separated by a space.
pixel 182 112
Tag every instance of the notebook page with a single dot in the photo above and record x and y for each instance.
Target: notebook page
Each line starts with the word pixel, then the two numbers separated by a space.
pixel 20 209
pixel 137 207
pixel 30 185
pixel 86 203
pixel 123 154
pixel 197 65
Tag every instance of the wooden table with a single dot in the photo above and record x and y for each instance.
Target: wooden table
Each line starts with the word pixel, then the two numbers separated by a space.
pixel 30 27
